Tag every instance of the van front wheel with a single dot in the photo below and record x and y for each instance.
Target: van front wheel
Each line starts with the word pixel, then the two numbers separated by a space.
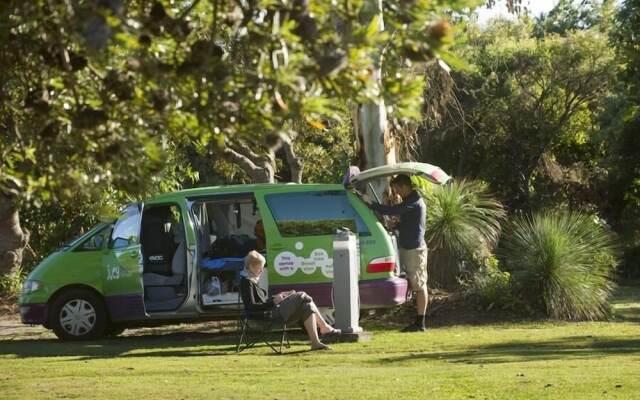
pixel 78 314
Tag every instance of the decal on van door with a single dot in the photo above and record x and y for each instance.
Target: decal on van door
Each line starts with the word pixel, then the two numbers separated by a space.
pixel 113 272
pixel 287 263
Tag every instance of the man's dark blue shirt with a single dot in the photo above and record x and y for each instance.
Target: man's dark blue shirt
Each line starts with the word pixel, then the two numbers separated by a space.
pixel 413 216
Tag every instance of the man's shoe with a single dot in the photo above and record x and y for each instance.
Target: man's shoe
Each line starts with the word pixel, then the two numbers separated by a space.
pixel 414 328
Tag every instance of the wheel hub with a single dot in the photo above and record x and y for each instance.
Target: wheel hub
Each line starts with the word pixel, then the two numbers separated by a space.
pixel 77 317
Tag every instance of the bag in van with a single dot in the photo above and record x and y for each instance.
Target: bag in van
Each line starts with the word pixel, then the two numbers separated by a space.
pixel 213 287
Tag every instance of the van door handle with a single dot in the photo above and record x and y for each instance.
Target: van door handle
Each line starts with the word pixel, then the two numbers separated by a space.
pixel 277 247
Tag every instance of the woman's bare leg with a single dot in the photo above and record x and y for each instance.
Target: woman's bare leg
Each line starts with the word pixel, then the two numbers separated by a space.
pixel 322 324
pixel 312 330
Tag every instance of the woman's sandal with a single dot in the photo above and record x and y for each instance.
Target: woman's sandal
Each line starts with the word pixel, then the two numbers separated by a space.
pixel 332 332
pixel 320 346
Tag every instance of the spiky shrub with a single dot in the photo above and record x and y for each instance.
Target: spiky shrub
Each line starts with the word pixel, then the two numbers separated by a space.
pixel 562 263
pixel 463 224
pixel 462 217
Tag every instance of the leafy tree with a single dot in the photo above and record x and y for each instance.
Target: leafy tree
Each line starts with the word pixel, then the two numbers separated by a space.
pixel 627 44
pixel 571 15
pixel 622 124
pixel 95 93
pixel 528 112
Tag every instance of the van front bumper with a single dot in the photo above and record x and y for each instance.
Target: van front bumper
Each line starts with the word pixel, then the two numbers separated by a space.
pixel 33 314
pixel 374 293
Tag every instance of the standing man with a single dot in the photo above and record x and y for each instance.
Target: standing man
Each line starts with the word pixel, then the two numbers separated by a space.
pixel 413 249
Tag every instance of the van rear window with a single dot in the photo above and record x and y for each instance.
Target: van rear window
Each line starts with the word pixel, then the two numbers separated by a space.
pixel 314 213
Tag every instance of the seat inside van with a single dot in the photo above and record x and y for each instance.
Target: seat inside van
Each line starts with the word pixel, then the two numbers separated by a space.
pixel 227 228
pixel 164 258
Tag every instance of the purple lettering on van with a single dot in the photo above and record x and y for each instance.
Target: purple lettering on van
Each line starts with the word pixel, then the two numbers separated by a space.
pixel 126 307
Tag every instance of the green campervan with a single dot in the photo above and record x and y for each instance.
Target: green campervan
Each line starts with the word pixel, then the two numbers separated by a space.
pixel 177 257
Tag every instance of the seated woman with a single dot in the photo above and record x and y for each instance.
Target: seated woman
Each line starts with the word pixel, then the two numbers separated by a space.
pixel 290 306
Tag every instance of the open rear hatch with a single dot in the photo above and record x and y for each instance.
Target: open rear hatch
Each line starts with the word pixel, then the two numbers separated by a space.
pixel 428 171
pixel 359 180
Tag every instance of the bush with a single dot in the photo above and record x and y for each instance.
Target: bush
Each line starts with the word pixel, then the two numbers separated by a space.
pixel 561 263
pixel 10 284
pixel 489 287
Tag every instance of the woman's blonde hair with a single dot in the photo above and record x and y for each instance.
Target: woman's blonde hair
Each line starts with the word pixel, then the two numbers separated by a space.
pixel 254 259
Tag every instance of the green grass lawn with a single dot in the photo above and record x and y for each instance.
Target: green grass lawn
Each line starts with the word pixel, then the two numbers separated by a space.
pixel 516 361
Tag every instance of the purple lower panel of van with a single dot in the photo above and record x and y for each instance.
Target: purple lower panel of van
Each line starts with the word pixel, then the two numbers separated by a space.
pixel 126 307
pixel 33 314
pixel 373 293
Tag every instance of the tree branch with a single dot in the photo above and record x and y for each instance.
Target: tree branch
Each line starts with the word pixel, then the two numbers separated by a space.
pixel 258 173
pixel 188 9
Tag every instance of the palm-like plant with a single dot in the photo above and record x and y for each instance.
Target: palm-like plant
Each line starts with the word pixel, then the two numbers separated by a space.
pixel 562 262
pixel 462 217
pixel 463 221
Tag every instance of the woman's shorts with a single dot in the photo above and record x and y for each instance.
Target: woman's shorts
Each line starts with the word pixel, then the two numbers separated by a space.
pixel 297 307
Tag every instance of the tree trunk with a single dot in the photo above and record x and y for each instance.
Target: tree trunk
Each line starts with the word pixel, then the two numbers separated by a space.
pixel 375 145
pixel 13 239
pixel 295 163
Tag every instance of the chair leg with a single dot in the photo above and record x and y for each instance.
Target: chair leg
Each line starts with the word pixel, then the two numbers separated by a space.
pixel 286 335
pixel 245 340
pixel 265 338
pixel 283 337
pixel 243 330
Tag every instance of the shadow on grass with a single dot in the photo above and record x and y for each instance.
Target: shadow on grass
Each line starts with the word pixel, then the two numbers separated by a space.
pixel 179 344
pixel 575 347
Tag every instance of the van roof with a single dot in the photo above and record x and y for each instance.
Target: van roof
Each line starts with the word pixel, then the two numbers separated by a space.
pixel 210 190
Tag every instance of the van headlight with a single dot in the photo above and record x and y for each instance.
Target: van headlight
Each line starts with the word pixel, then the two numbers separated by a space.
pixel 30 286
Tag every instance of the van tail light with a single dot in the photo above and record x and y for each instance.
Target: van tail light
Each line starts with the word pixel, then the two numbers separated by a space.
pixel 385 264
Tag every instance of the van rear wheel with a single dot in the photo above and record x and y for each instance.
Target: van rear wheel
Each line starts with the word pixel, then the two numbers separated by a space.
pixel 78 314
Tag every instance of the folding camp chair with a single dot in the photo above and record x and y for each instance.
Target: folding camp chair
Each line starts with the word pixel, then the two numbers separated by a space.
pixel 255 327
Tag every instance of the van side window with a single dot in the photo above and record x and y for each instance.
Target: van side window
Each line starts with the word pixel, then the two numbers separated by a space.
pixel 95 241
pixel 314 213
pixel 126 232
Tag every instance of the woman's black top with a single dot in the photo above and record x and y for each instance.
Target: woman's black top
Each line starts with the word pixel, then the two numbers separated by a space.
pixel 254 297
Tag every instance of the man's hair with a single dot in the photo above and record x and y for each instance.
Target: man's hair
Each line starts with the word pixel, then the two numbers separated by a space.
pixel 401 180
pixel 254 259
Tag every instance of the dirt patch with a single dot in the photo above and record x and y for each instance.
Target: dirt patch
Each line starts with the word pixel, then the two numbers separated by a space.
pixel 445 309
pixel 8 306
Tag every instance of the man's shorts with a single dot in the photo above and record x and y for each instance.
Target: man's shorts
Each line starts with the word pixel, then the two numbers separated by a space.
pixel 414 262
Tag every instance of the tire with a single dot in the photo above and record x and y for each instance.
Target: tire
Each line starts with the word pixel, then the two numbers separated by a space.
pixel 78 314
